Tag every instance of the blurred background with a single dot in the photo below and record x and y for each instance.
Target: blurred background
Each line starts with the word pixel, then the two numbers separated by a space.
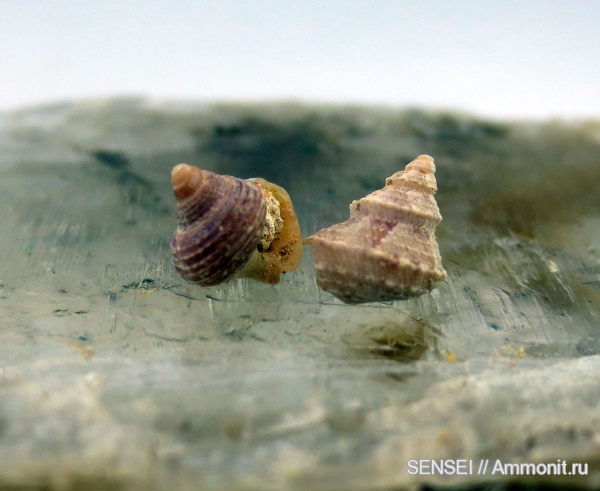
pixel 534 59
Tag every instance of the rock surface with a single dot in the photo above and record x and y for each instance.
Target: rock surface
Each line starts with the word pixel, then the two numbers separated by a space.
pixel 115 374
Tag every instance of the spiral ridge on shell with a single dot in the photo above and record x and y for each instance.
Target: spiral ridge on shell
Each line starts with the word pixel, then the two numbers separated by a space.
pixel 387 249
pixel 220 222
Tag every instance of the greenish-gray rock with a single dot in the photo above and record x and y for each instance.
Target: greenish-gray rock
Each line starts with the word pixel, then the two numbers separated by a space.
pixel 116 374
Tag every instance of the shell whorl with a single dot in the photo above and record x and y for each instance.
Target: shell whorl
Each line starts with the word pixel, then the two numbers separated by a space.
pixel 387 249
pixel 406 197
pixel 220 222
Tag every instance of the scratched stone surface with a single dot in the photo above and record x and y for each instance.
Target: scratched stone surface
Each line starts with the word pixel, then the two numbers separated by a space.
pixel 116 374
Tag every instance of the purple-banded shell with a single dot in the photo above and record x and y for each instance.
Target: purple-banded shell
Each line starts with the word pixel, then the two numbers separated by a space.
pixel 387 249
pixel 220 222
pixel 229 227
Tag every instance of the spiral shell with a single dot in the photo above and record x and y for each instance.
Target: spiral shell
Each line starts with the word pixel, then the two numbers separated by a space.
pixel 387 249
pixel 229 227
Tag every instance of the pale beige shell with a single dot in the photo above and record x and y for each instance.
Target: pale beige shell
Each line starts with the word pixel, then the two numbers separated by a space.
pixel 387 249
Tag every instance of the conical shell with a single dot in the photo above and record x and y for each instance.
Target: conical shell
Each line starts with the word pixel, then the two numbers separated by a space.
pixel 220 222
pixel 229 227
pixel 387 249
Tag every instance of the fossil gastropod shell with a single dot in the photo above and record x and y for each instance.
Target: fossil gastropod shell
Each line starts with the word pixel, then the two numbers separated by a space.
pixel 229 227
pixel 387 249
